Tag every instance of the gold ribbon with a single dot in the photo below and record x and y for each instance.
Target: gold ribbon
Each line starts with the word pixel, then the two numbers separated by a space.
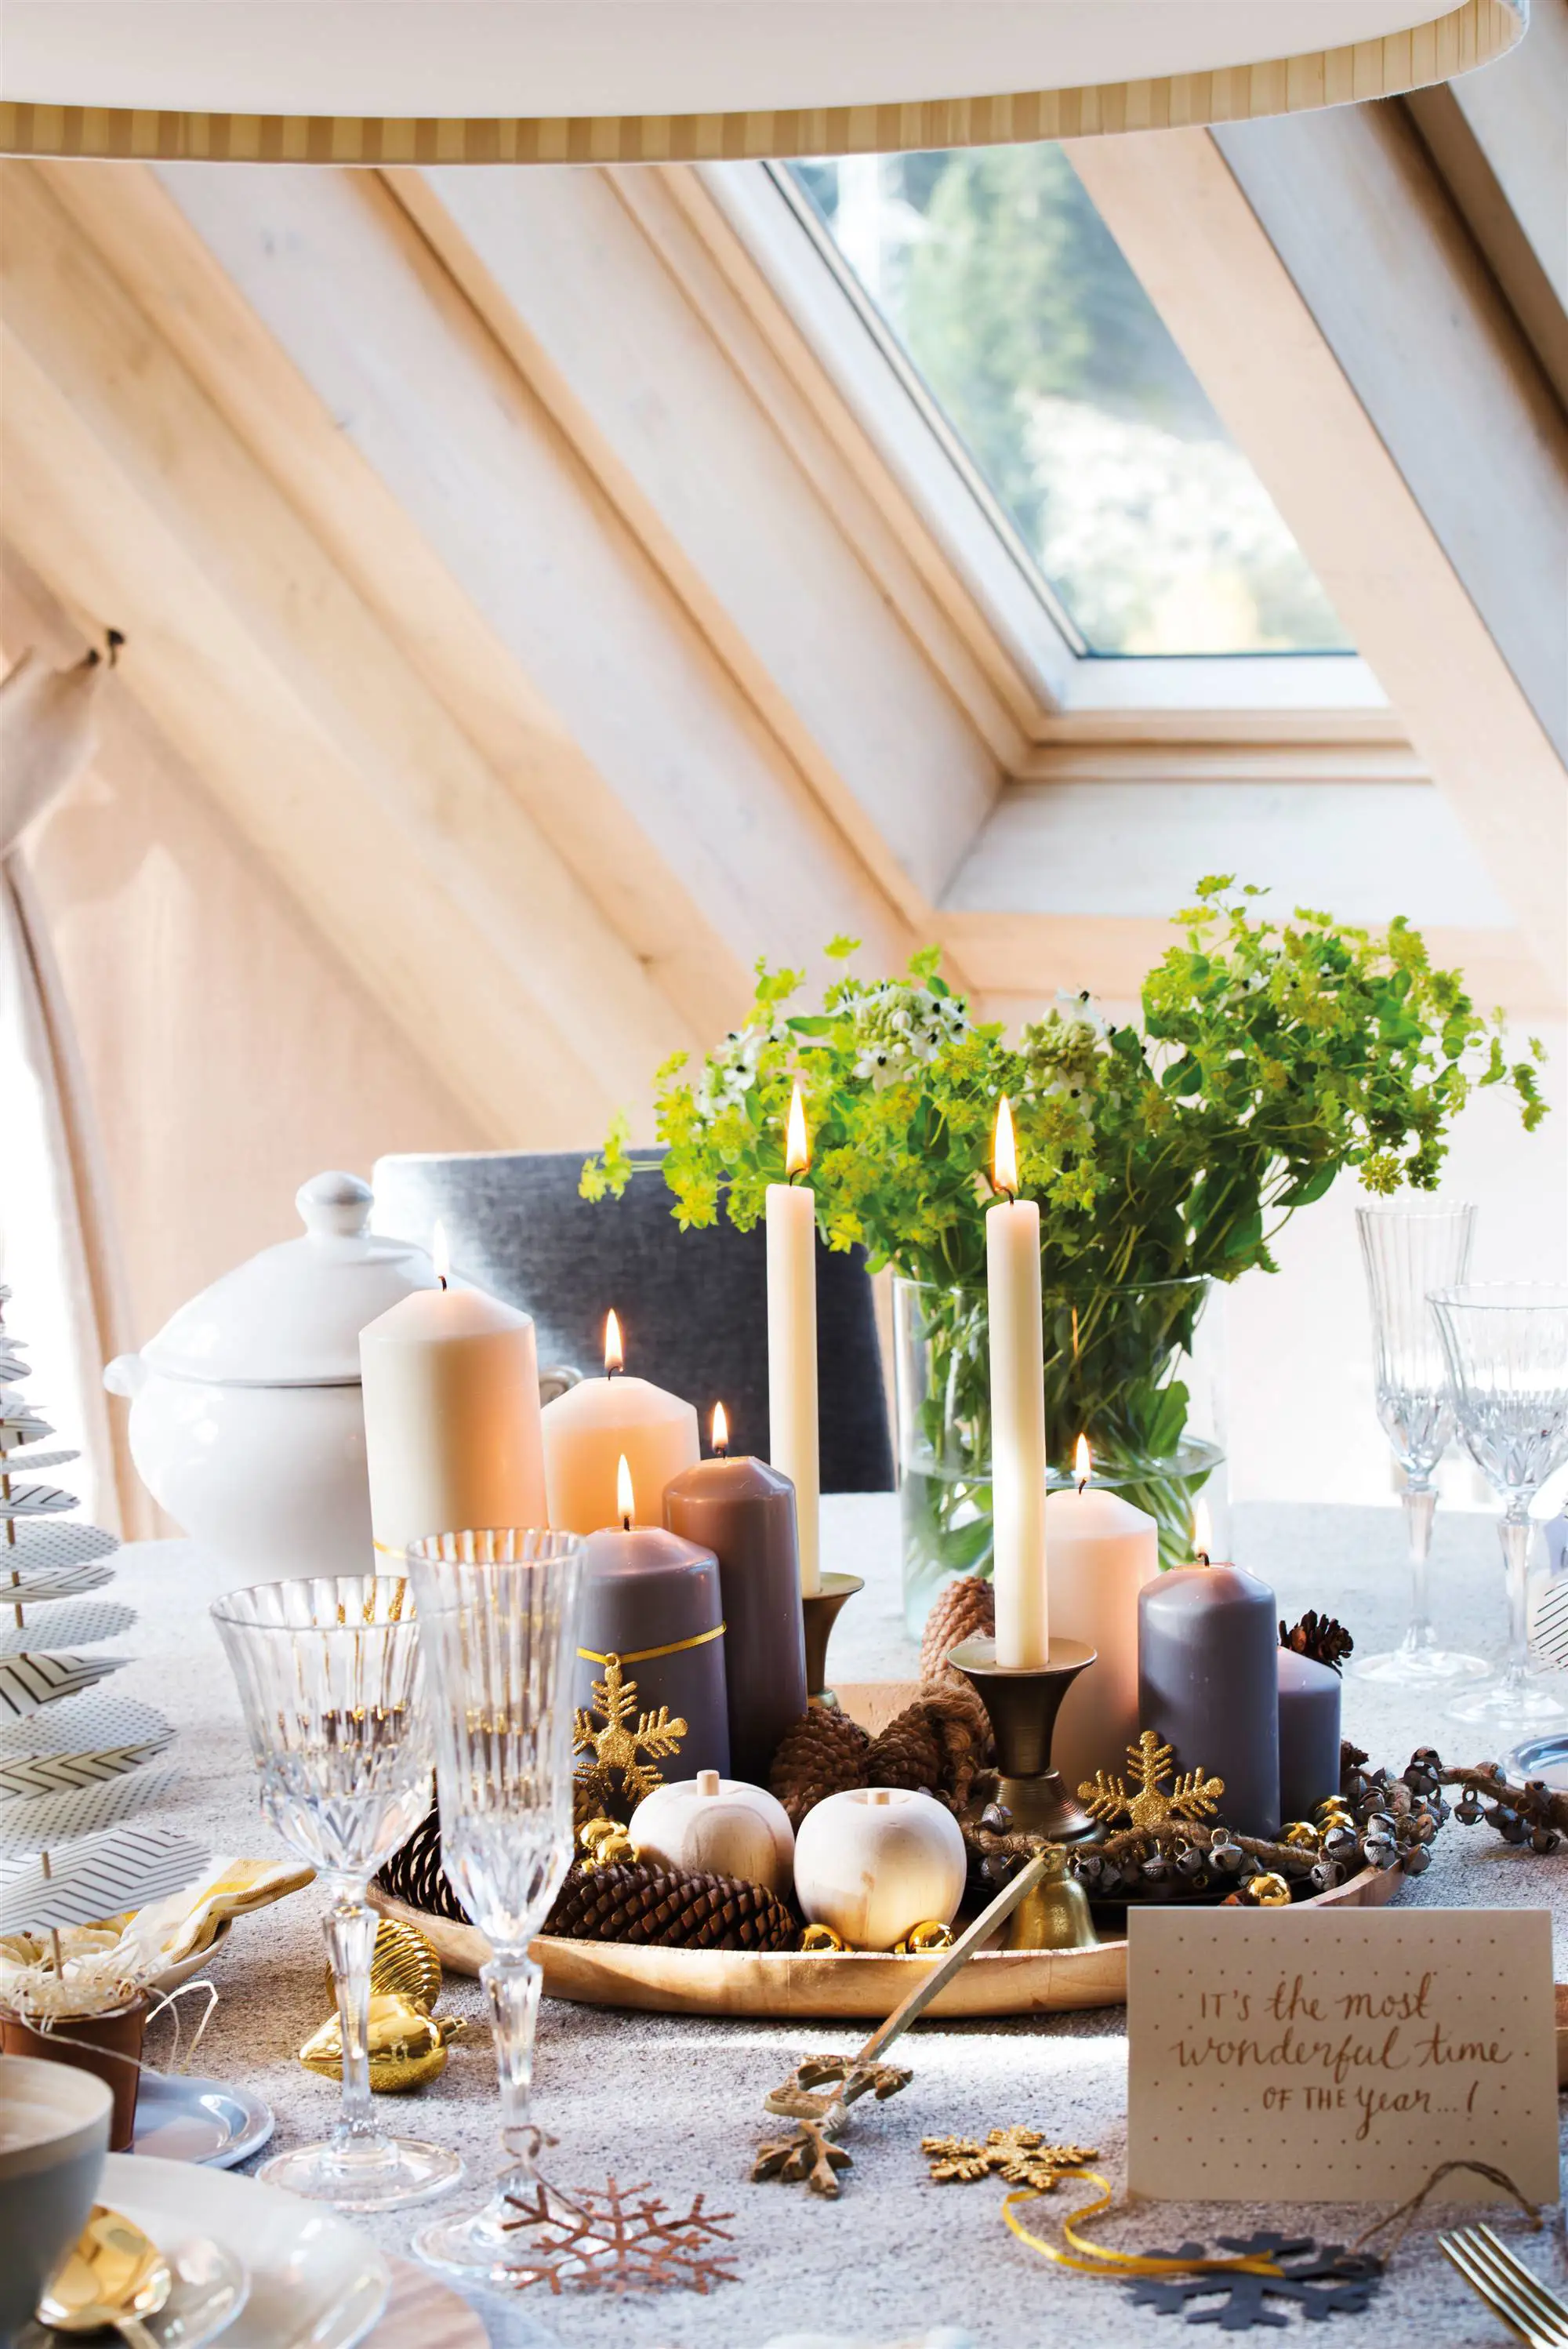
pixel 646 1655
pixel 1094 2259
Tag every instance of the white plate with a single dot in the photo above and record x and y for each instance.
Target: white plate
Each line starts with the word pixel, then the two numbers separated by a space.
pixel 186 1969
pixel 182 2119
pixel 316 2282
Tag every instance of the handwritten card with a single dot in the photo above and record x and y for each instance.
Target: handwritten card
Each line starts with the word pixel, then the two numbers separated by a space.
pixel 1338 2057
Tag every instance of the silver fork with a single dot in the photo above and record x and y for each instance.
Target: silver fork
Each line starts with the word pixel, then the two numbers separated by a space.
pixel 1534 2315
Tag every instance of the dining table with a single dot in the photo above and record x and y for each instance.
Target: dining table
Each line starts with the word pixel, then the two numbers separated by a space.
pixel 673 2104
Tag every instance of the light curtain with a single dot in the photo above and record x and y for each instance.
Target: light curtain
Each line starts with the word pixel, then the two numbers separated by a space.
pixel 52 1177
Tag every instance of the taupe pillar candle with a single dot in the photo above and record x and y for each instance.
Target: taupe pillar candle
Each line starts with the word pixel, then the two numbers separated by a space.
pixel 654 1600
pixel 744 1511
pixel 1308 1733
pixel 1208 1683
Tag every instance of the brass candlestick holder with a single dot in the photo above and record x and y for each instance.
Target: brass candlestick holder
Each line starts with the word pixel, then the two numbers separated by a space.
pixel 821 1612
pixel 1023 1701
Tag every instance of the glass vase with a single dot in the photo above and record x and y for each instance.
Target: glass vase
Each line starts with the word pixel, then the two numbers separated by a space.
pixel 1136 1371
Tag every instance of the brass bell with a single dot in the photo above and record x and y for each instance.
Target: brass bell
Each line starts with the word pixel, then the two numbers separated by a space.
pixel 1055 1914
pixel 407 2047
pixel 924 1940
pixel 818 1938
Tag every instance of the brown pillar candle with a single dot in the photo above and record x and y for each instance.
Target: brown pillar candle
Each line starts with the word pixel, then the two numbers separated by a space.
pixel 652 1600
pixel 744 1511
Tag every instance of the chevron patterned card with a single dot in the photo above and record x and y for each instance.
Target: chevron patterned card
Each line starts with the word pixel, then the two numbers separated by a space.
pixel 27 1462
pixel 36 1500
pixel 1549 1625
pixel 53 1773
pixel 32 1823
pixel 83 1724
pixel 13 1366
pixel 22 1426
pixel 124 1868
pixel 52 1582
pixel 28 1681
pixel 40 1543
pixel 73 1623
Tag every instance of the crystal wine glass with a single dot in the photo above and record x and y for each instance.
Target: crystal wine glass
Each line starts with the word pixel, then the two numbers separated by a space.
pixel 1507 1354
pixel 1408 1252
pixel 499 1612
pixel 328 1669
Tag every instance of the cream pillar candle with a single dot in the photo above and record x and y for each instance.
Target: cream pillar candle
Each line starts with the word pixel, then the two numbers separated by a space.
pixel 1102 1551
pixel 1017 1412
pixel 586 1431
pixel 450 1380
pixel 792 1342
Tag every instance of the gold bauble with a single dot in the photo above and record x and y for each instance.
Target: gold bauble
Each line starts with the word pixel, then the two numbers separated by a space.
pixel 821 1938
pixel 407 2047
pixel 605 1842
pixel 924 1940
pixel 1266 1892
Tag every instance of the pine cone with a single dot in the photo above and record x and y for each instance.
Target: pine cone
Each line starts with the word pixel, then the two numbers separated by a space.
pixel 1319 1637
pixel 938 1743
pixel 673 1910
pixel 818 1756
pixel 965 1610
pixel 414 1874
pixel 906 1754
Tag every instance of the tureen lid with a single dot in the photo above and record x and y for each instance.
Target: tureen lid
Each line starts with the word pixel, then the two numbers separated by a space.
pixel 291 1316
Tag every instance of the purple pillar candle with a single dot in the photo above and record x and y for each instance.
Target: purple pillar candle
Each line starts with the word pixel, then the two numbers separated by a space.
pixel 653 1600
pixel 1208 1683
pixel 744 1511
pixel 1308 1733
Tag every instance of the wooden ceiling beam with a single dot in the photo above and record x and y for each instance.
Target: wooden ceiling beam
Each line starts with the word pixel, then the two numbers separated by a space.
pixel 134 501
pixel 1378 500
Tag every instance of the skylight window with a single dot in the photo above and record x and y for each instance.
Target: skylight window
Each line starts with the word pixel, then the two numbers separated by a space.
pixel 1006 293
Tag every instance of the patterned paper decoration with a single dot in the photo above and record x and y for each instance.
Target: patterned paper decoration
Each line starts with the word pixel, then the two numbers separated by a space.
pixel 28 1681
pixel 19 1425
pixel 1549 1628
pixel 37 1589
pixel 74 1623
pixel 13 1366
pixel 32 1823
pixel 81 1726
pixel 27 1462
pixel 124 1868
pixel 41 1544
pixel 36 1500
pixel 53 1773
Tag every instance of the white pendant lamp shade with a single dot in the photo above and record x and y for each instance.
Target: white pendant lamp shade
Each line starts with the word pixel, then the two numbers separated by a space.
pixel 386 81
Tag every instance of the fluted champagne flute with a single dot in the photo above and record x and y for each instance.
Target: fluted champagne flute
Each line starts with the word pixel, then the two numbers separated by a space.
pixel 498 1608
pixel 1506 1346
pixel 329 1679
pixel 1408 1252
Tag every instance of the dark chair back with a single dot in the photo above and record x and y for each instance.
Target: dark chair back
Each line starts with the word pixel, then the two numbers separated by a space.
pixel 692 1305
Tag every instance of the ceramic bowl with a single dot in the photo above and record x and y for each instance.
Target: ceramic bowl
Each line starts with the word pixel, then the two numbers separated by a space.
pixel 54 2135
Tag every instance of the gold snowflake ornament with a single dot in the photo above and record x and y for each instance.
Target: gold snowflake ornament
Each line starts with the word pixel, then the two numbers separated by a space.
pixel 1150 1806
pixel 1020 2157
pixel 627 1748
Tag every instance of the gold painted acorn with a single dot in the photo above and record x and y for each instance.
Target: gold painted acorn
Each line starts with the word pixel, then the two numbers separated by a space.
pixel 924 1940
pixel 407 2047
pixel 818 1938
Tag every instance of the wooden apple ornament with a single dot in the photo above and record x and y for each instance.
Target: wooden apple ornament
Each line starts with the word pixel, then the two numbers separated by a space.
pixel 718 1825
pixel 876 1860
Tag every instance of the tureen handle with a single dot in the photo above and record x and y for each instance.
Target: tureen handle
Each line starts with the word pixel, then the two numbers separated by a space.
pixel 335 1205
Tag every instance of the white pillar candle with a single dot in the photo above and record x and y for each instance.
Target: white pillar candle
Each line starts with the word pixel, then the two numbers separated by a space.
pixel 1102 1552
pixel 450 1380
pixel 1017 1412
pixel 587 1430
pixel 792 1343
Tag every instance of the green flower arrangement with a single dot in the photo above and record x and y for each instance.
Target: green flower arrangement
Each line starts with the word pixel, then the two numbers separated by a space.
pixel 1270 1056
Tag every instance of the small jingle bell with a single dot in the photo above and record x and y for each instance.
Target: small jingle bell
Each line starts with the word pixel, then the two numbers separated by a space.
pixel 819 1939
pixel 1267 1892
pixel 1301 1836
pixel 924 1940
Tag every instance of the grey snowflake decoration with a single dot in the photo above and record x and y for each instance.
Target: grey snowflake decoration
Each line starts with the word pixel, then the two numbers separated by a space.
pixel 1321 2283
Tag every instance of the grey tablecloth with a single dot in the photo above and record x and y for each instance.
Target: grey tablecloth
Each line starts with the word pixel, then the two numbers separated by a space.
pixel 679 2103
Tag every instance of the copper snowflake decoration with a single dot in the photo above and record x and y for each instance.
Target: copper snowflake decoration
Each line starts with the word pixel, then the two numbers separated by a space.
pixel 621 2244
pixel 1020 2157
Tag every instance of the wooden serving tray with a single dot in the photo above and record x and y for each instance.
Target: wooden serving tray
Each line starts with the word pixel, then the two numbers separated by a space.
pixel 858 1985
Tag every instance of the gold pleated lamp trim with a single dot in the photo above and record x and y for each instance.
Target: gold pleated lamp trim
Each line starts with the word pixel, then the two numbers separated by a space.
pixel 1474 34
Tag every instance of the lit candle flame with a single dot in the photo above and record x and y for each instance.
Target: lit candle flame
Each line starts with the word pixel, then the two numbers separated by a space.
pixel 440 1255
pixel 626 1500
pixel 1203 1533
pixel 797 1149
pixel 615 1352
pixel 1083 1465
pixel 1005 1151
pixel 720 1429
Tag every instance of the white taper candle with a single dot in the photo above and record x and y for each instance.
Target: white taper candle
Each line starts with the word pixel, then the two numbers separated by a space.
pixel 792 1343
pixel 1018 1412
